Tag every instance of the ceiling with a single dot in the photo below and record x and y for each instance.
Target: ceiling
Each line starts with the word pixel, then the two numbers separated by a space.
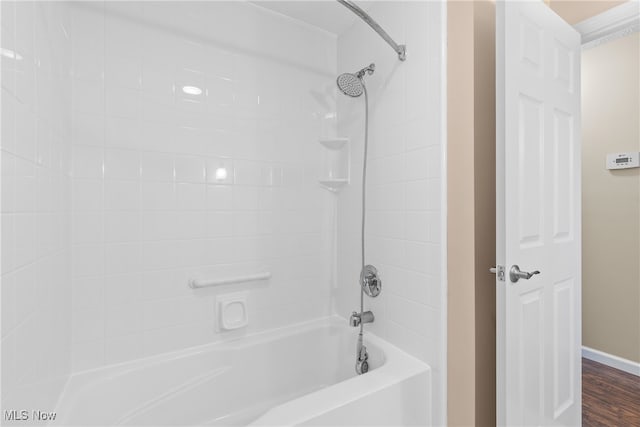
pixel 328 15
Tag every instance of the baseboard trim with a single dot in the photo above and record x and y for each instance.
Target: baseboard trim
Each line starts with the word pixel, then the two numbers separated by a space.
pixel 611 360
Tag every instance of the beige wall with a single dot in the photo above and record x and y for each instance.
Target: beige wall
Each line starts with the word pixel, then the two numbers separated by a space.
pixel 460 217
pixel 471 213
pixel 485 210
pixel 611 199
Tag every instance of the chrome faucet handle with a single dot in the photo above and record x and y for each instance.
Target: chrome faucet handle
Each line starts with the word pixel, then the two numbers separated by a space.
pixel 370 281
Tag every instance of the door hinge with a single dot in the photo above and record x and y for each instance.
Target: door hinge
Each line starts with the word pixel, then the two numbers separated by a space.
pixel 499 270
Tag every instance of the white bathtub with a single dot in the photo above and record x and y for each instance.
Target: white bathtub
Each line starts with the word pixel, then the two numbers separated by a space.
pixel 299 375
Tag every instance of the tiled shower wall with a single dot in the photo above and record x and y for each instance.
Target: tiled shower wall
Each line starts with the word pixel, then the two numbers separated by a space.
pixel 217 182
pixel 36 142
pixel 405 216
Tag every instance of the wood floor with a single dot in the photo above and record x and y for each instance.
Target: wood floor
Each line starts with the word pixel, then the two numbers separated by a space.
pixel 610 397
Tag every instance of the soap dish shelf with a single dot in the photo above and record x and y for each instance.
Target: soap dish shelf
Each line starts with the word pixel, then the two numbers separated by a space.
pixel 334 184
pixel 335 163
pixel 334 143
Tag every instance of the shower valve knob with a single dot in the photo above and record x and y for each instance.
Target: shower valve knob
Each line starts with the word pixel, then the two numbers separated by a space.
pixel 370 281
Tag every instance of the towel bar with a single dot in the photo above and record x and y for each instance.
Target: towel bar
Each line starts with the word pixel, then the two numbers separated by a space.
pixel 196 283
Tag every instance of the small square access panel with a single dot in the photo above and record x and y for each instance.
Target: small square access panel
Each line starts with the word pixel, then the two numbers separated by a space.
pixel 232 311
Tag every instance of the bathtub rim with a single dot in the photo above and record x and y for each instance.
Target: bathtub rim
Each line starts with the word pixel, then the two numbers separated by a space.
pixel 397 366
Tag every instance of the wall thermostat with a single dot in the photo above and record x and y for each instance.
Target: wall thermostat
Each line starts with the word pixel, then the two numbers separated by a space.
pixel 623 160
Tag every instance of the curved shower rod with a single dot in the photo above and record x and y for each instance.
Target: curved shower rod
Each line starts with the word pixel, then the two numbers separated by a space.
pixel 400 49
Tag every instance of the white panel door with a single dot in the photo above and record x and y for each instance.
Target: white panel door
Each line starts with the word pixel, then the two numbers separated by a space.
pixel 538 216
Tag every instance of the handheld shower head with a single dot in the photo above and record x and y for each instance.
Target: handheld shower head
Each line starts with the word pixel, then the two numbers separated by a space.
pixel 351 84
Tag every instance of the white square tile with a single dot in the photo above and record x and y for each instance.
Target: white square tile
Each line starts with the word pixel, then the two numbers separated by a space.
pixel 159 254
pixel 88 227
pixel 88 324
pixel 25 143
pixel 417 195
pixel 88 66
pixel 247 172
pixel 219 224
pixel 9 111
pixel 8 243
pixel 164 284
pixel 191 196
pixel 191 90
pixel 25 186
pixel 123 348
pixel 123 133
pixel 25 238
pixel 88 97
pixel 123 72
pixel 121 164
pixel 417 226
pixel 245 198
pixel 417 256
pixel 220 171
pixel 122 226
pixel 25 82
pixel 158 196
pixel 433 162
pixel 88 25
pixel 121 195
pixel 88 292
pixel 88 260
pixel 122 258
pixel 88 129
pixel 433 188
pixel 122 321
pixel 9 305
pixel 245 223
pixel 157 166
pixel 122 289
pixel 123 102
pixel 220 93
pixel 87 195
pixel 219 197
pixel 190 169
pixel 417 164
pixel 122 37
pixel 161 313
pixel 88 162
pixel 159 225
pixel 158 83
pixel 417 134
pixel 191 225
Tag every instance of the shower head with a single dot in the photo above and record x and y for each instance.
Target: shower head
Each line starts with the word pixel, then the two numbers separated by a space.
pixel 351 84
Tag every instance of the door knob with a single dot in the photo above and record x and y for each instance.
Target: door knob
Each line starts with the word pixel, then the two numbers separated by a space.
pixel 515 274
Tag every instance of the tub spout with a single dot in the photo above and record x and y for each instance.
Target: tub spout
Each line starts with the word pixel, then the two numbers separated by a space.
pixel 357 318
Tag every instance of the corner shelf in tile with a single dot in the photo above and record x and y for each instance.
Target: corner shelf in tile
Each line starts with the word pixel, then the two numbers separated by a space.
pixel 335 184
pixel 335 163
pixel 334 143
